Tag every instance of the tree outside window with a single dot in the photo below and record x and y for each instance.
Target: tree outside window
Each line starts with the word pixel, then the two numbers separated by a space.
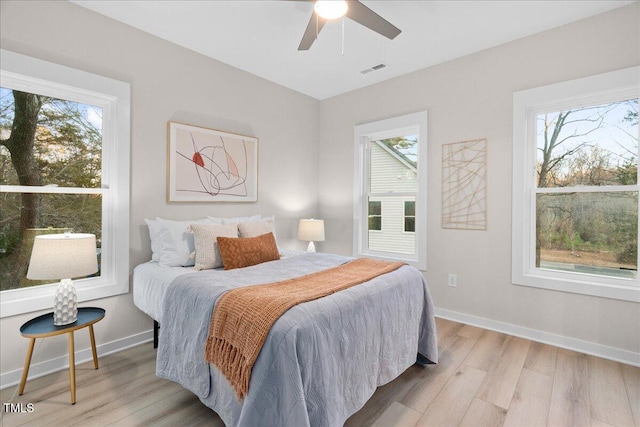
pixel 586 211
pixel 53 146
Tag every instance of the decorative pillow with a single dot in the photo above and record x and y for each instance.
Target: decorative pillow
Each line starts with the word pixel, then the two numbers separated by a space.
pixel 176 243
pixel 257 228
pixel 204 236
pixel 246 251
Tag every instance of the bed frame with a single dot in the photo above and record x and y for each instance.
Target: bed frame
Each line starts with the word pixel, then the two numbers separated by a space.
pixel 156 332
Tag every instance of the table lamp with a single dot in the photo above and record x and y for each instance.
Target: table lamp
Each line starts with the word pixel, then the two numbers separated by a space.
pixel 311 230
pixel 63 256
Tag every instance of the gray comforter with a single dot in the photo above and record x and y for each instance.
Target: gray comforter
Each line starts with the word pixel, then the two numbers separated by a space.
pixel 321 361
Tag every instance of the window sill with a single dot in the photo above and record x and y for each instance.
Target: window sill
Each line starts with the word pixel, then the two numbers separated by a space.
pixel 25 300
pixel 620 289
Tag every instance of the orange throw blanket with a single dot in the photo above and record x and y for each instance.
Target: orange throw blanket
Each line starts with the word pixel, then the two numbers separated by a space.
pixel 243 317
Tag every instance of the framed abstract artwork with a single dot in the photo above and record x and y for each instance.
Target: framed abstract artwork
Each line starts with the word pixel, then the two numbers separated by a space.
pixel 207 165
pixel 464 185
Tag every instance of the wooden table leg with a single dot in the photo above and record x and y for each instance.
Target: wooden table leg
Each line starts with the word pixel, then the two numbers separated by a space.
pixel 93 346
pixel 72 369
pixel 27 363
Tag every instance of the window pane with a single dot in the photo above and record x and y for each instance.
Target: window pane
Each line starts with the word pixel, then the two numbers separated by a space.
pixel 375 208
pixel 410 208
pixel 393 165
pixel 409 216
pixel 595 233
pixel 410 224
pixel 79 213
pixel 393 169
pixel 65 149
pixel 375 223
pixel 375 215
pixel 596 145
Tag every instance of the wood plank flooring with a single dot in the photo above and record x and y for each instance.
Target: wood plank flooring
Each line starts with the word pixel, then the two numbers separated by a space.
pixel 484 378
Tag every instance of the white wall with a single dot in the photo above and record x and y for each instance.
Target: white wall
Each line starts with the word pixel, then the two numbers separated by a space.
pixel 471 98
pixel 167 83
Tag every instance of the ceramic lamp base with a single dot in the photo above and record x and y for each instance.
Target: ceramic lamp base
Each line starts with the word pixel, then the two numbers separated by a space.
pixel 65 304
pixel 311 247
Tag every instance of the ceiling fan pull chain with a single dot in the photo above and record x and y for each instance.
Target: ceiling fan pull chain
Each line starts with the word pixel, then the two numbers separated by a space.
pixel 342 36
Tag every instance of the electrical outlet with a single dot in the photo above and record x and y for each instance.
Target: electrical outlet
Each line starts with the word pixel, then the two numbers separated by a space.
pixel 453 280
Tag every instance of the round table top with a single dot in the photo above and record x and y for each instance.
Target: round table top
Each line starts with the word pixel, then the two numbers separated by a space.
pixel 42 326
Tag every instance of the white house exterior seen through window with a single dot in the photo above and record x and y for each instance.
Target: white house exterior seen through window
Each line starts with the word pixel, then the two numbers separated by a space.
pixel 390 199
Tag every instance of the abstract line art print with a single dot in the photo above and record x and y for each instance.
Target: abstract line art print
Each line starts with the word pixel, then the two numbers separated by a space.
pixel 464 179
pixel 207 165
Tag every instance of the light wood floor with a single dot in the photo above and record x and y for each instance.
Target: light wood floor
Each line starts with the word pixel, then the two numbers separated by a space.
pixel 484 378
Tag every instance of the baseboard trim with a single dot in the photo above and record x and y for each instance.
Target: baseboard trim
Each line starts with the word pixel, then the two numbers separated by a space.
pixel 611 353
pixel 12 378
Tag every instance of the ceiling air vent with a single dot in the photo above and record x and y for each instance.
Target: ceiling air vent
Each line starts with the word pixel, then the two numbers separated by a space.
pixel 374 68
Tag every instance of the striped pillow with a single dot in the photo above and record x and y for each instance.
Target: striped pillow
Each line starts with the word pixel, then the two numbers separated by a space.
pixel 207 253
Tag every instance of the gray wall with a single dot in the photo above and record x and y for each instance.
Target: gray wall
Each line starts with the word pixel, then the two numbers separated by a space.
pixel 168 83
pixel 471 98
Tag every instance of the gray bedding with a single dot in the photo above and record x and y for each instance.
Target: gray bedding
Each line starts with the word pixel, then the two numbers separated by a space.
pixel 321 361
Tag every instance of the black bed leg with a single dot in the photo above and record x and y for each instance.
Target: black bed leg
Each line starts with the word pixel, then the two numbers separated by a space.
pixel 156 329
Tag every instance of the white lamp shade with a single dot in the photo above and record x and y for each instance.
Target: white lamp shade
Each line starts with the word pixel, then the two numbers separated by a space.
pixel 63 256
pixel 311 230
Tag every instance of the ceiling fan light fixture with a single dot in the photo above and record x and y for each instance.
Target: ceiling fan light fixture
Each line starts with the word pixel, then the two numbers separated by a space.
pixel 331 9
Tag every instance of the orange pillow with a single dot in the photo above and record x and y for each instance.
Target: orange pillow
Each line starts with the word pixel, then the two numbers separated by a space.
pixel 245 251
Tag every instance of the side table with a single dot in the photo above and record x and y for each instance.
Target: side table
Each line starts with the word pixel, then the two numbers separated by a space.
pixel 42 326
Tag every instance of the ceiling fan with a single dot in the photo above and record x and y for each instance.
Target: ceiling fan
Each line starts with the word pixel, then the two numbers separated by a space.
pixel 324 11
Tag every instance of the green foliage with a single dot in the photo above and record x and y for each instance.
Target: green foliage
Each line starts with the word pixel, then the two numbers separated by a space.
pixel 596 147
pixel 632 116
pixel 627 174
pixel 572 241
pixel 628 254
pixel 405 146
pixel 68 153
pixel 595 222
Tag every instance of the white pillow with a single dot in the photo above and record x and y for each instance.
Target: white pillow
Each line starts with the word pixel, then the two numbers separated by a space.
pixel 155 235
pixel 177 243
pixel 214 220
pixel 207 254
pixel 234 220
pixel 257 228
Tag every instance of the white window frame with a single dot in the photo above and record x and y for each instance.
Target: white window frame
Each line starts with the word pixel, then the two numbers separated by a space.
pixel 410 124
pixel 528 104
pixel 36 76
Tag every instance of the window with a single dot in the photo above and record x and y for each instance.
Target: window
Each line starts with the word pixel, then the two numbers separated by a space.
pixel 575 193
pixel 375 215
pixel 410 216
pixel 67 170
pixel 390 184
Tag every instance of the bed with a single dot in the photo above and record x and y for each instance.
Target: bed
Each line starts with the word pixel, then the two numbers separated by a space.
pixel 321 361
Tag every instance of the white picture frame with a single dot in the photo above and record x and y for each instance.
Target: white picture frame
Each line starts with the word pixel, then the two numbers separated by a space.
pixel 208 165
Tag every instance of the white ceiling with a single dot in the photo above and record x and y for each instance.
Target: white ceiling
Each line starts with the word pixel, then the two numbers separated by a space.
pixel 262 36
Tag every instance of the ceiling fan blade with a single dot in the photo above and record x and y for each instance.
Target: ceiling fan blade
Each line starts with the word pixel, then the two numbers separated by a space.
pixel 313 29
pixel 367 17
